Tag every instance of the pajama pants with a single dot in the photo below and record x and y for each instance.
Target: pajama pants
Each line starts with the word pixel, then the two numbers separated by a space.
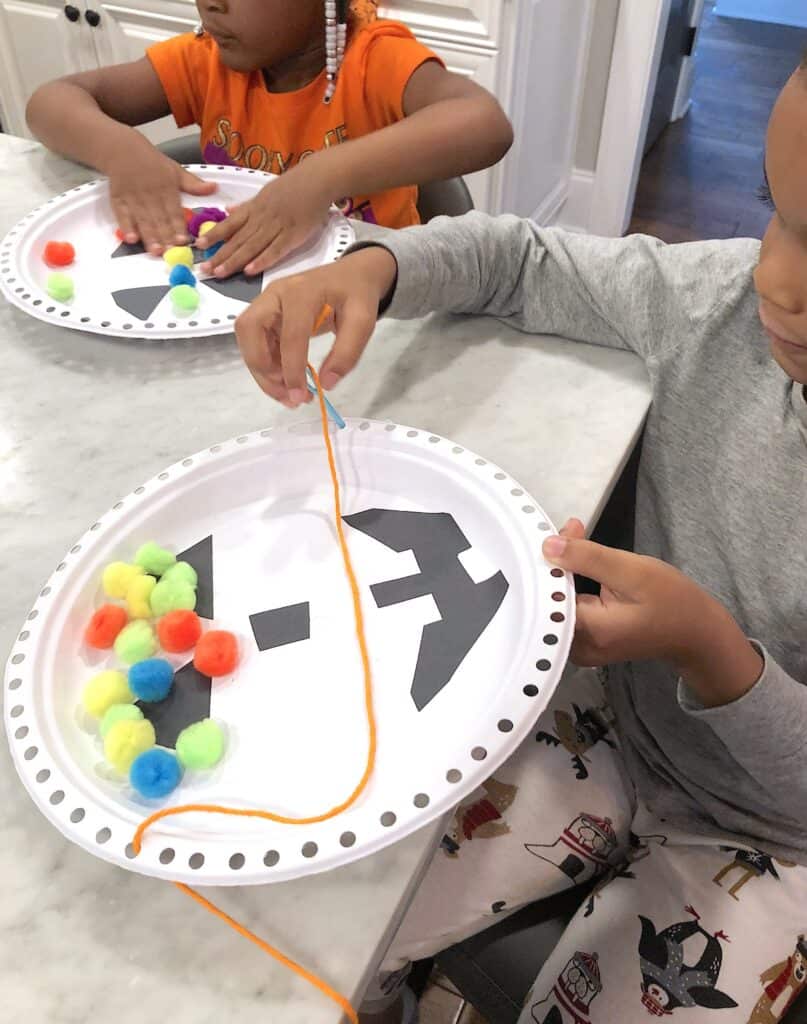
pixel 678 924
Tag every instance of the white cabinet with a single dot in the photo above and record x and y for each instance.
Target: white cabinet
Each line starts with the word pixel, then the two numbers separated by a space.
pixel 529 53
pixel 126 30
pixel 39 39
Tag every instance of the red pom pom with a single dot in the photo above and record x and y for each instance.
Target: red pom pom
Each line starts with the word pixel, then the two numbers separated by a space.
pixel 216 653
pixel 119 234
pixel 105 625
pixel 178 631
pixel 188 215
pixel 59 254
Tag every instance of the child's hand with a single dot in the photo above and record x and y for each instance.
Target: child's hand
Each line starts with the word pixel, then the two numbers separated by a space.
pixel 260 232
pixel 647 610
pixel 144 188
pixel 273 334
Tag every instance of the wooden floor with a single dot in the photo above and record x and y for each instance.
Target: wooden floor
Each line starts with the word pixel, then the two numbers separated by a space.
pixel 699 179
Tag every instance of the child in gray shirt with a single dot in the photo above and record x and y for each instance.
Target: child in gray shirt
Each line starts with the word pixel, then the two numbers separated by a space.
pixel 698 804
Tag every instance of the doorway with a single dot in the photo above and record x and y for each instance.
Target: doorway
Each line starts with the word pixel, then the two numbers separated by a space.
pixel 700 178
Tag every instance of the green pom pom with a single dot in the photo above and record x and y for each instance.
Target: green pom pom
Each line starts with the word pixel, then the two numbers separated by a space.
pixel 60 287
pixel 181 572
pixel 171 596
pixel 104 690
pixel 154 559
pixel 185 298
pixel 135 642
pixel 201 745
pixel 119 713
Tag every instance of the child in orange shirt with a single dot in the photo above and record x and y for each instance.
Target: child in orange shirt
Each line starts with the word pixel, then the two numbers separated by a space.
pixel 345 107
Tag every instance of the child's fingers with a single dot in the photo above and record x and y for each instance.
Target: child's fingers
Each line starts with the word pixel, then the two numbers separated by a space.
pixel 176 231
pixel 272 255
pixel 299 316
pixel 150 228
pixel 621 571
pixel 126 222
pixel 223 231
pixel 235 255
pixel 573 529
pixel 355 323
pixel 194 186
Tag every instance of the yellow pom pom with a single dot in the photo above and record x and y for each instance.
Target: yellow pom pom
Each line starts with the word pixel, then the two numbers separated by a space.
pixel 179 254
pixel 105 690
pixel 118 577
pixel 137 597
pixel 126 741
pixel 207 226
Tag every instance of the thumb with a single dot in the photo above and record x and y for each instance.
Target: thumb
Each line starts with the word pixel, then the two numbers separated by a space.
pixel 195 186
pixel 620 571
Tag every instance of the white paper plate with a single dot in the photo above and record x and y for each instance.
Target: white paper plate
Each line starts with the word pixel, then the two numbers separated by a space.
pixel 126 296
pixel 294 711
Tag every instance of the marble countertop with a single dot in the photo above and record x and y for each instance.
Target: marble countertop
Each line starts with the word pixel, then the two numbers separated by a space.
pixel 83 940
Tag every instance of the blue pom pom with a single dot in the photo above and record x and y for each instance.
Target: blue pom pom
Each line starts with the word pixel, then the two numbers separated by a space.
pixel 211 252
pixel 156 773
pixel 181 274
pixel 151 679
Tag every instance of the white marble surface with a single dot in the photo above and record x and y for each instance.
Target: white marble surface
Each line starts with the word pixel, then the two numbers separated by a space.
pixel 83 941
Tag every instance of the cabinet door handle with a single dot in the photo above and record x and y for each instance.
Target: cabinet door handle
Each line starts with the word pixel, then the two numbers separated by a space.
pixel 93 18
pixel 71 13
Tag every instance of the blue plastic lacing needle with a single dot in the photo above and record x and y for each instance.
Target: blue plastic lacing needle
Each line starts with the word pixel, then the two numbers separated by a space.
pixel 332 413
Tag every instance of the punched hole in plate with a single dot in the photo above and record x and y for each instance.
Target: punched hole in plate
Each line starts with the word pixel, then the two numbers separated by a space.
pixel 103 835
pixel 347 839
pixel 77 815
pixel 43 775
pixel 479 753
pixel 388 819
pixel 453 775
pixel 421 800
pixel 271 858
pixel 56 797
pixel 237 861
pixel 196 861
pixel 310 850
pixel 167 855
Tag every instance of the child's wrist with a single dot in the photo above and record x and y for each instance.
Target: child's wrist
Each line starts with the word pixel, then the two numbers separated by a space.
pixel 717 662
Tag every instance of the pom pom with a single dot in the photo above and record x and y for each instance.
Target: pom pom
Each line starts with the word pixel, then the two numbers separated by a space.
pixel 104 690
pixel 179 254
pixel 179 631
pixel 59 254
pixel 119 234
pixel 185 298
pixel 181 572
pixel 151 680
pixel 104 626
pixel 201 745
pixel 172 595
pixel 119 713
pixel 207 226
pixel 155 773
pixel 211 252
pixel 188 214
pixel 127 740
pixel 60 287
pixel 135 642
pixel 216 653
pixel 138 597
pixel 117 578
pixel 154 559
pixel 209 213
pixel 182 275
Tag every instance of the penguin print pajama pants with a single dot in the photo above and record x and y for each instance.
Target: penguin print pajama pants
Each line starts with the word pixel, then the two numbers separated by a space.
pixel 678 925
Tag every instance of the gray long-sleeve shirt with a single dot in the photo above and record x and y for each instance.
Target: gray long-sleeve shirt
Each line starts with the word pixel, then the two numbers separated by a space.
pixel 722 490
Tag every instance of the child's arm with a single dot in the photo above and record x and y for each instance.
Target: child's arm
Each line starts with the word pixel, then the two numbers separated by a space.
pixel 451 127
pixel 628 293
pixel 649 610
pixel 89 117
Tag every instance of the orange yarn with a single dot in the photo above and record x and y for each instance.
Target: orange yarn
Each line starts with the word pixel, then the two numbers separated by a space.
pixel 169 812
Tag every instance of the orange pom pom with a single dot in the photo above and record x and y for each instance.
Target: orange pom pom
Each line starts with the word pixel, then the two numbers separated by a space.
pixel 179 631
pixel 104 626
pixel 216 653
pixel 119 234
pixel 188 215
pixel 59 254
